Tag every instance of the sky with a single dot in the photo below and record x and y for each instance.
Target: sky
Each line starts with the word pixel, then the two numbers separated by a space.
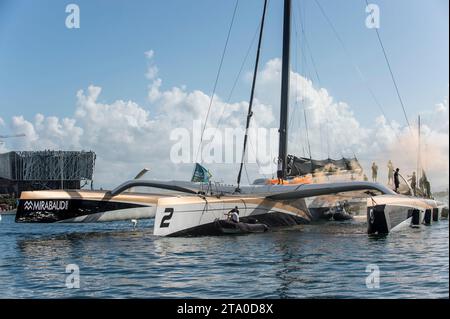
pixel 90 88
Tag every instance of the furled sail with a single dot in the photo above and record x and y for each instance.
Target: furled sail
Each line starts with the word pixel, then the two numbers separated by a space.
pixel 299 166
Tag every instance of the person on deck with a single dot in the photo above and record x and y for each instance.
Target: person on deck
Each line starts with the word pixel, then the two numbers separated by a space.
pixel 427 188
pixel 374 172
pixel 396 180
pixel 413 181
pixel 390 172
pixel 280 171
pixel 233 215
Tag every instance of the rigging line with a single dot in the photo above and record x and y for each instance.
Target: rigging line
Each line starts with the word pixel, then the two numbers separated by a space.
pixel 328 136
pixel 307 133
pixel 299 122
pixel 217 78
pixel 312 59
pixel 243 62
pixel 303 68
pixel 419 160
pixel 256 159
pixel 271 157
pixel 297 106
pixel 296 114
pixel 392 75
pixel 321 138
pixel 358 70
pixel 303 85
pixel 246 174
pixel 219 122
pixel 355 66
pixel 307 47
pixel 297 50
pixel 234 86
pixel 231 93
pixel 250 105
pixel 296 78
pixel 256 155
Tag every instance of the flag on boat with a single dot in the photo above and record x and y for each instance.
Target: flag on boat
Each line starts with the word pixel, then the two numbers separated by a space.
pixel 201 174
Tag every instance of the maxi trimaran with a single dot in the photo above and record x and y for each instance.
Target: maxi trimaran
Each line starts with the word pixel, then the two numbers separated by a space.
pixel 188 208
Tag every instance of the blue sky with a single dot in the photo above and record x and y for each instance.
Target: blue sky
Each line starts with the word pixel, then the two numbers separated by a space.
pixel 43 64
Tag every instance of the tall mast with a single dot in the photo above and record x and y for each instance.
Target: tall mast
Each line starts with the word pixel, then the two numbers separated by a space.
pixel 252 94
pixel 282 147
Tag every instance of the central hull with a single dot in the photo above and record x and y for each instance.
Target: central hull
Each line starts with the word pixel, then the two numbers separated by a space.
pixel 196 216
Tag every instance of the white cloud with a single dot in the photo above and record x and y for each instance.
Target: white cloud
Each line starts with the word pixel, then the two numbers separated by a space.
pixel 149 54
pixel 127 137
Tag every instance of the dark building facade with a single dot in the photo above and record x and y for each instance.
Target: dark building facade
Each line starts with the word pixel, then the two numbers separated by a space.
pixel 26 171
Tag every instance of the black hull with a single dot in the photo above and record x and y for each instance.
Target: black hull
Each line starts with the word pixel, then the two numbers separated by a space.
pixel 272 220
pixel 381 221
pixel 60 210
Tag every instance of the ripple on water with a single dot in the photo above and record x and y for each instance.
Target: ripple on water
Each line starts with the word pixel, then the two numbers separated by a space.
pixel 314 261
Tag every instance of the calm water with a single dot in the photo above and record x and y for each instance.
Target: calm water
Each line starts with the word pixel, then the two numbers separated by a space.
pixel 327 260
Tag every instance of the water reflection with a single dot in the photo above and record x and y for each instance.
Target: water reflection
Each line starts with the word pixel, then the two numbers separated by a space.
pixel 327 260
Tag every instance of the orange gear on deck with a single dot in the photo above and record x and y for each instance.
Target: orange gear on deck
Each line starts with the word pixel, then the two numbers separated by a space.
pixel 294 181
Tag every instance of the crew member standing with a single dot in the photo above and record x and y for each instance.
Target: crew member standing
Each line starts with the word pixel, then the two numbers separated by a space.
pixel 374 172
pixel 390 172
pixel 427 188
pixel 413 181
pixel 422 183
pixel 396 180
pixel 280 171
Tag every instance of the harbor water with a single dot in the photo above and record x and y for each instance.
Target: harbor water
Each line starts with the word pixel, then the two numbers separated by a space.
pixel 328 260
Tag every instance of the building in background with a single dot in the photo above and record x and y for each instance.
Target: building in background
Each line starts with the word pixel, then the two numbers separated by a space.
pixel 25 171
